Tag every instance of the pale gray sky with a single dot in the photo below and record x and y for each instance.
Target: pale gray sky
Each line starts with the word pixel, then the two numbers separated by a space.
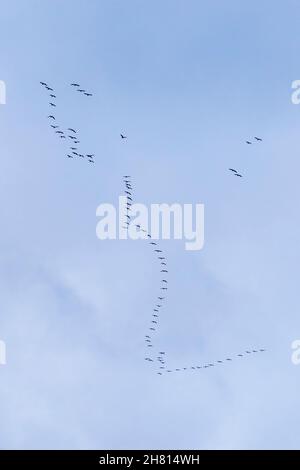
pixel 188 81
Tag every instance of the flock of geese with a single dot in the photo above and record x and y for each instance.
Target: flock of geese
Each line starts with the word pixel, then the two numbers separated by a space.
pixel 69 135
pixel 153 356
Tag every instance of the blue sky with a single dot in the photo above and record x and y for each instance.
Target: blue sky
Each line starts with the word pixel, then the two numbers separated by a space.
pixel 188 82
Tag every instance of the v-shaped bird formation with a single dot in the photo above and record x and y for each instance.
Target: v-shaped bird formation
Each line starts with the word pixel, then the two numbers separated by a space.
pixel 68 135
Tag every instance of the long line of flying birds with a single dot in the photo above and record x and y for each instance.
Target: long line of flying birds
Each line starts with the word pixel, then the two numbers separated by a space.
pixel 207 365
pixel 154 355
pixel 163 272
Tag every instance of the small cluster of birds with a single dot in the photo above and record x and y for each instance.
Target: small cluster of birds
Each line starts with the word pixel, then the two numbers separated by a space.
pixel 69 135
pixel 235 172
pixel 81 90
pixel 163 285
pixel 257 139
